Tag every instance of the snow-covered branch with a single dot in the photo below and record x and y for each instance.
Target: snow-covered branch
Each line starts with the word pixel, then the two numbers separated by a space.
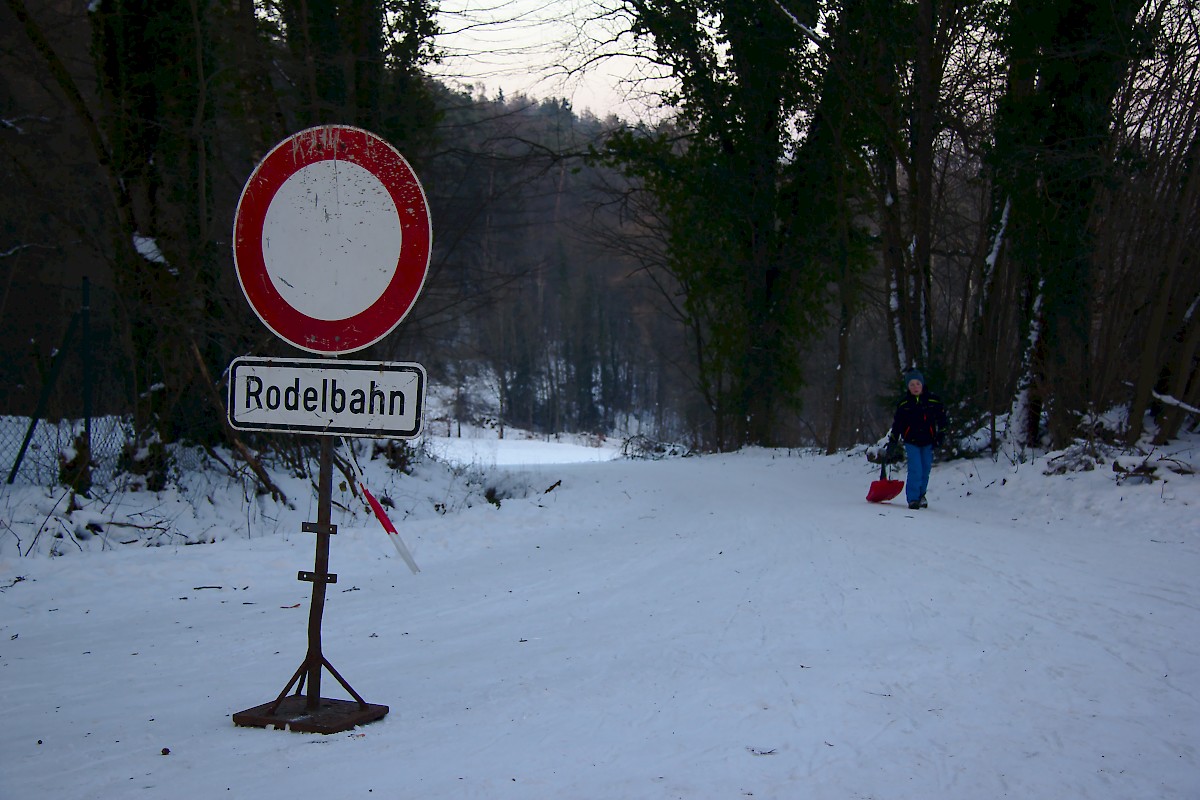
pixel 12 251
pixel 808 32
pixel 1167 399
pixel 13 122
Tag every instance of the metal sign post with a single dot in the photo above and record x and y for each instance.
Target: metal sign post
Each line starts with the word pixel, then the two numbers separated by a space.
pixel 331 241
pixel 310 712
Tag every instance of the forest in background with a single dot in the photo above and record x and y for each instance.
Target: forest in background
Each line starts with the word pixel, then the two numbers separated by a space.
pixel 1006 197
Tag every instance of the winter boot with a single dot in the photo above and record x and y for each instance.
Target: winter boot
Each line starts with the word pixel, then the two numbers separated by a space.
pixel 923 503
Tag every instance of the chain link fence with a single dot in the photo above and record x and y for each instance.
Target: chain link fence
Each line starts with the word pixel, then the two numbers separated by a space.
pixel 56 443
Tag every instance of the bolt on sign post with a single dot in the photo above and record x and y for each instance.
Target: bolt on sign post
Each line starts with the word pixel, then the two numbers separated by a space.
pixel 331 242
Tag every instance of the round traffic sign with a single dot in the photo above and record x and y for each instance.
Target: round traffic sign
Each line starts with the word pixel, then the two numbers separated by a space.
pixel 331 239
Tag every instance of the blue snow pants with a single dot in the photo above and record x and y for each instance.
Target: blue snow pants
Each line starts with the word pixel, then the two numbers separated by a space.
pixel 920 462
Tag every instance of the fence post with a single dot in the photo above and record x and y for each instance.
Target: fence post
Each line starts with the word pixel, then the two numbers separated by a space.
pixel 85 353
pixel 55 368
pixel 82 317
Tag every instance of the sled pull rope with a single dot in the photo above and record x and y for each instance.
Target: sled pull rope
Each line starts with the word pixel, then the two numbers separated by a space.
pixel 380 514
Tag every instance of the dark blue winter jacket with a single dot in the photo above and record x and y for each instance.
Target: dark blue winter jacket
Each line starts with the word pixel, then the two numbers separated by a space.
pixel 920 419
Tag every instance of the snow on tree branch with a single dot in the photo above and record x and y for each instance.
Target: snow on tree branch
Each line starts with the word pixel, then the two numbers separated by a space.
pixel 808 32
pixel 1167 399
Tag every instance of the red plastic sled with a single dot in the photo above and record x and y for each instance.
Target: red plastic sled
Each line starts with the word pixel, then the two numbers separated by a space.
pixel 884 489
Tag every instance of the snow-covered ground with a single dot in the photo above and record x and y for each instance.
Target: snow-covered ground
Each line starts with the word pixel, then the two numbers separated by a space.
pixel 726 626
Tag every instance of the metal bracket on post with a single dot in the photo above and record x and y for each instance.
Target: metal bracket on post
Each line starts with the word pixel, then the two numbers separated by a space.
pixel 312 713
pixel 312 577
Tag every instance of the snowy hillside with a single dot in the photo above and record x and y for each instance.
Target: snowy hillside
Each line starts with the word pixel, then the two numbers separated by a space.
pixel 725 626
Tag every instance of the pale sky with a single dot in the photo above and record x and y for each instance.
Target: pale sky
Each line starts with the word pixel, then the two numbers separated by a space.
pixel 538 48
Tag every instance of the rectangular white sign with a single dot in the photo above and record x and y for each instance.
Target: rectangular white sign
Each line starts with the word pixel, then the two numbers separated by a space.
pixel 327 396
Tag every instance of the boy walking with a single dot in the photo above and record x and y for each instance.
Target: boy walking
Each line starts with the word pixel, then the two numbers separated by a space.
pixel 919 421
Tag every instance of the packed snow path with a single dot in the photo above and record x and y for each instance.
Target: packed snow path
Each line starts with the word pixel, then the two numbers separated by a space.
pixel 718 627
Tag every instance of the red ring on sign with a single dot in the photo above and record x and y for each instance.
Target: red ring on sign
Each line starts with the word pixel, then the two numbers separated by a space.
pixel 327 143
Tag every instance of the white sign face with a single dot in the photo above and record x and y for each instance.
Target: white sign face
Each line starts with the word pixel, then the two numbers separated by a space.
pixel 330 240
pixel 326 397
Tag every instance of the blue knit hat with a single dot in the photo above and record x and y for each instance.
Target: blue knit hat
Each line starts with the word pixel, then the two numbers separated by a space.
pixel 914 375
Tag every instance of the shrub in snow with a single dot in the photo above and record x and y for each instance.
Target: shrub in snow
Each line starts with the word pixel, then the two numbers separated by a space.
pixel 643 447
pixel 150 460
pixel 75 466
pixel 400 455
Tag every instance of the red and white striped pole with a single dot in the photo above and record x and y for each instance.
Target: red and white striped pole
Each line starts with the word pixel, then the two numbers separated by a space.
pixel 380 514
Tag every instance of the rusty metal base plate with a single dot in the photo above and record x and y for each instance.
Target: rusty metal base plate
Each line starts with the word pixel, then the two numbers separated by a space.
pixel 330 716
